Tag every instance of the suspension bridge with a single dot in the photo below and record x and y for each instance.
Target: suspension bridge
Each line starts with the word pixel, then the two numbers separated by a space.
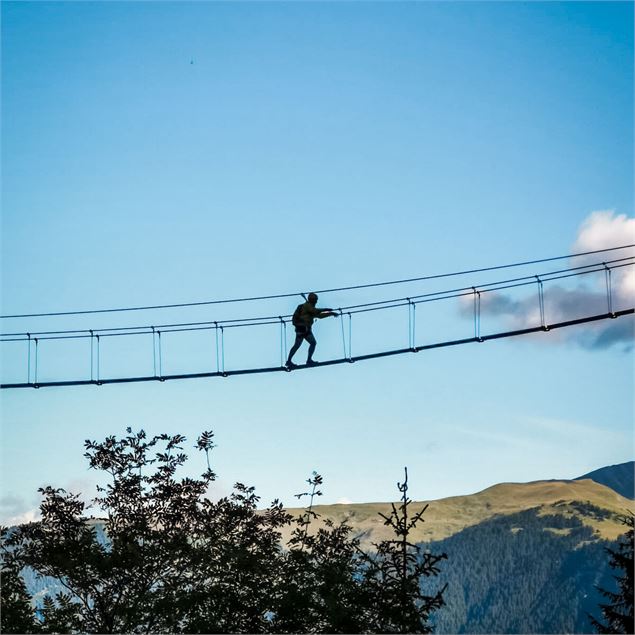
pixel 476 295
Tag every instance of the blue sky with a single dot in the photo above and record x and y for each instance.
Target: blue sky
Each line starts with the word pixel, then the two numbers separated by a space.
pixel 173 152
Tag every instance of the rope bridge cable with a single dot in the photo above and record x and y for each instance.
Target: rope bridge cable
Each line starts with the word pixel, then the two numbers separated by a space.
pixel 360 308
pixel 217 353
pixel 160 355
pixel 609 294
pixel 154 352
pixel 98 381
pixel 28 372
pixel 283 340
pixel 389 304
pixel 343 336
pixel 36 340
pixel 332 290
pixel 541 302
pixel 466 291
pixel 380 354
pixel 355 308
pixel 477 314
pixel 411 302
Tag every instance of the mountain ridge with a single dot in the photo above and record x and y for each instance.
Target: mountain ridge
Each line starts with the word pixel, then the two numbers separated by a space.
pixel 619 477
pixel 448 516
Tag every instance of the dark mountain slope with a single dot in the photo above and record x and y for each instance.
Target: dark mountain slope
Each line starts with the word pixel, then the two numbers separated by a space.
pixel 620 478
pixel 523 573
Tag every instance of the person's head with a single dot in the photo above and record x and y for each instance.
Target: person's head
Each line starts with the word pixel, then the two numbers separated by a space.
pixel 313 298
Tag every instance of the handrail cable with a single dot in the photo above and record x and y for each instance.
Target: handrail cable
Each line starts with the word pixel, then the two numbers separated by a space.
pixel 297 293
pixel 356 308
pixel 387 304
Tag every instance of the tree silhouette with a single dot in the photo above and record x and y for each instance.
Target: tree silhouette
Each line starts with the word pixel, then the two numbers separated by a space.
pixel 325 591
pixel 397 571
pixel 165 558
pixel 618 611
pixel 17 615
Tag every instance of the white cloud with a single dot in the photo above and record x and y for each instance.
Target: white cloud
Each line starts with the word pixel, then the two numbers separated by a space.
pixel 15 510
pixel 600 230
pixel 29 516
pixel 604 229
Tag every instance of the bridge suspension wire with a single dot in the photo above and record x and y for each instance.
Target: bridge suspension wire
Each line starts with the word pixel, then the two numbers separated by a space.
pixel 302 293
pixel 477 314
pixel 160 355
pixel 222 346
pixel 36 341
pixel 351 309
pixel 97 338
pixel 345 359
pixel 412 322
pixel 28 371
pixel 609 293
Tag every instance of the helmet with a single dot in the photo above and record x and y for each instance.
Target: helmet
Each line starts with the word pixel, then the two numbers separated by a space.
pixel 313 297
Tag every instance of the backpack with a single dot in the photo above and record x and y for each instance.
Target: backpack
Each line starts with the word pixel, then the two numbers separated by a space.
pixel 296 320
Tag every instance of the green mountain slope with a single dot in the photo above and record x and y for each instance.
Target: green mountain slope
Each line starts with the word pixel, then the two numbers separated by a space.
pixel 448 516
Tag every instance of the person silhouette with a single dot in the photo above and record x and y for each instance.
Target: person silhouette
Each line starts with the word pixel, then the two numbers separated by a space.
pixel 303 318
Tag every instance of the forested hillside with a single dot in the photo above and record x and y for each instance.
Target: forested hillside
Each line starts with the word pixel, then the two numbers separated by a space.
pixel 523 573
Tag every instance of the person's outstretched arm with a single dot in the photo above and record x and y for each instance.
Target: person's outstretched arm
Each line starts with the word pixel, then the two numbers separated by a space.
pixel 322 313
pixel 314 312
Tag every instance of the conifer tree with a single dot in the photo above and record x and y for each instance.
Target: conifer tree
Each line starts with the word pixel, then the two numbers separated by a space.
pixel 617 613
pixel 397 570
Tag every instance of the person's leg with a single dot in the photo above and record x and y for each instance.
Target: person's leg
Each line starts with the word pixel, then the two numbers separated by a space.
pixel 310 338
pixel 294 349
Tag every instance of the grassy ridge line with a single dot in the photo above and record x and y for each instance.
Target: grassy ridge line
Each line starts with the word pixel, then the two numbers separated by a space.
pixel 447 516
